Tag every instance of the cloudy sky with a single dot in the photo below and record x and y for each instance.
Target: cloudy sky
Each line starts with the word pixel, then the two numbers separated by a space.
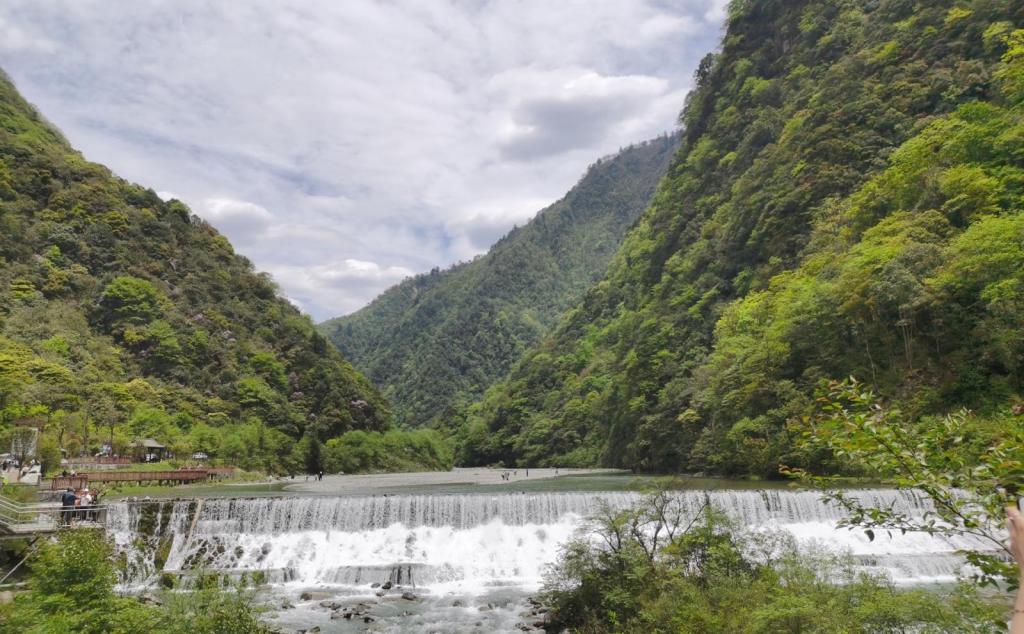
pixel 343 145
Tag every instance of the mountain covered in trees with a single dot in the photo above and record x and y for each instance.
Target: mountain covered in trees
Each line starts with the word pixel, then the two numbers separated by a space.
pixel 436 341
pixel 125 316
pixel 846 201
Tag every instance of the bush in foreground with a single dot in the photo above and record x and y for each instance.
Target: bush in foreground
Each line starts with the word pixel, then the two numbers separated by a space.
pixel 71 590
pixel 652 568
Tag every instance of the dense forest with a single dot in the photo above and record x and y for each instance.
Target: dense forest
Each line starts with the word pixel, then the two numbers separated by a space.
pixel 846 201
pixel 124 316
pixel 436 342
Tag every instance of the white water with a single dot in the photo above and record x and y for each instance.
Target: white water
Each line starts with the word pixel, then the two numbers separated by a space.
pixel 475 545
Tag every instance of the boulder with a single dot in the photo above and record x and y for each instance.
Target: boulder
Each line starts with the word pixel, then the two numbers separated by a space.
pixel 408 596
pixel 315 595
pixel 287 605
pixel 375 585
pixel 387 585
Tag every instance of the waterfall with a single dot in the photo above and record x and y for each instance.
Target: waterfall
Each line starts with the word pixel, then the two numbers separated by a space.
pixel 469 542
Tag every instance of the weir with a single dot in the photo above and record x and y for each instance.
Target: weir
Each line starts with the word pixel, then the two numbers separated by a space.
pixel 468 542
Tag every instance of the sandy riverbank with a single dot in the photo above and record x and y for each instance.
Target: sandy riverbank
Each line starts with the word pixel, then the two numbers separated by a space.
pixel 384 482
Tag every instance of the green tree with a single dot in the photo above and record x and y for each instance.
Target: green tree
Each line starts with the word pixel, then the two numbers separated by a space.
pixel 130 300
pixel 969 468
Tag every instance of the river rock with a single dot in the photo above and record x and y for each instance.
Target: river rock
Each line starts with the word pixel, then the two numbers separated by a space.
pixel 330 605
pixel 287 605
pixel 367 619
pixel 458 603
pixel 408 596
pixel 306 596
pixel 387 585
pixel 375 585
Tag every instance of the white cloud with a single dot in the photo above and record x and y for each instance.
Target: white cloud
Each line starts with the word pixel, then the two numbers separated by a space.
pixel 320 134
pixel 13 38
pixel 241 221
pixel 336 283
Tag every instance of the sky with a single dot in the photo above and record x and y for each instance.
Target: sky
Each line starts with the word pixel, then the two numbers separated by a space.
pixel 343 146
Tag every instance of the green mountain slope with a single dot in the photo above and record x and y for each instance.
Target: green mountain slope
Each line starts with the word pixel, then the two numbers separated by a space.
pixel 122 316
pixel 437 341
pixel 846 201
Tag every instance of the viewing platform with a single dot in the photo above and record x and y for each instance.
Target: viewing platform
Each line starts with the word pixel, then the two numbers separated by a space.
pixel 33 520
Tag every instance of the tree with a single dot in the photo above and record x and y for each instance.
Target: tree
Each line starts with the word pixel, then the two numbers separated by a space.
pixel 660 567
pixel 130 300
pixel 969 469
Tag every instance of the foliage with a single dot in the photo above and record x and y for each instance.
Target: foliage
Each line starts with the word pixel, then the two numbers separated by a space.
pixel 969 469
pixel 125 316
pixel 435 342
pixel 395 450
pixel 71 590
pixel 656 568
pixel 846 201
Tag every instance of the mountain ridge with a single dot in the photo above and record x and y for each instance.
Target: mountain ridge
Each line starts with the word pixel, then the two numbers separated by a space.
pixel 821 183
pixel 123 315
pixel 436 341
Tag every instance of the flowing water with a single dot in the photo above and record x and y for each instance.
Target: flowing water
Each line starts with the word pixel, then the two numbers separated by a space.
pixel 470 560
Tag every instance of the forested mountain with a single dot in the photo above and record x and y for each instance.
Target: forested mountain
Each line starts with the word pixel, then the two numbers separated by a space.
pixel 435 342
pixel 124 316
pixel 846 201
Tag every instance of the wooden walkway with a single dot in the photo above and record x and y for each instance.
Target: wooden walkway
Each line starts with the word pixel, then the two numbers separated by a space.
pixel 178 476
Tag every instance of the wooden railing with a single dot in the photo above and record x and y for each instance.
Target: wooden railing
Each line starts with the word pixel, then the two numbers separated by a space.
pixel 178 476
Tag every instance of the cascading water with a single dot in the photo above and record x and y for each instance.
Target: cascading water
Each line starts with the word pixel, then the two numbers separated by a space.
pixel 472 545
pixel 469 540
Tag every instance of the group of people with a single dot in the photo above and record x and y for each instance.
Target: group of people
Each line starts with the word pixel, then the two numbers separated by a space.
pixel 75 506
pixel 505 475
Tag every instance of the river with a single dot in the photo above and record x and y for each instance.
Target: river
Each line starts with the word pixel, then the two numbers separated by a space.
pixel 470 552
